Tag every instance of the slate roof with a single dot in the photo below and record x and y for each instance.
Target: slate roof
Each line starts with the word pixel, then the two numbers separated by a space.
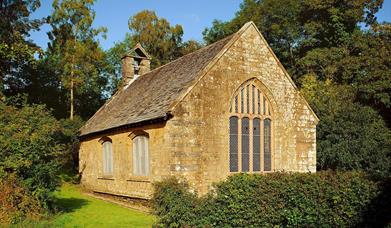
pixel 151 95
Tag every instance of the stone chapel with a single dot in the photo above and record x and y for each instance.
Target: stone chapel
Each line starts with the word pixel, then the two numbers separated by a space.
pixel 226 108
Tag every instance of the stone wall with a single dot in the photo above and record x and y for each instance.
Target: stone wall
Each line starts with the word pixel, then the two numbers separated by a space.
pixel 123 182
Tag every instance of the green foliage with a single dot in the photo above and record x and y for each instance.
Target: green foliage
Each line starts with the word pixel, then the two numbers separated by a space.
pixel 173 203
pixel 16 52
pixel 325 199
pixel 16 203
pixel 69 132
pixel 157 36
pixel 218 31
pixel 361 63
pixel 350 136
pixel 29 149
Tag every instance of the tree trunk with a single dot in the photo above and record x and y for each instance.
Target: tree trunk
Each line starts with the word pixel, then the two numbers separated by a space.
pixel 72 99
pixel 72 75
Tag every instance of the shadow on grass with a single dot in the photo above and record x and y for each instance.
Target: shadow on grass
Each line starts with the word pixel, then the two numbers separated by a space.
pixel 70 204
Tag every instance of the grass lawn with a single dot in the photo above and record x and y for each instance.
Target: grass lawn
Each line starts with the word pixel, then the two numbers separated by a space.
pixel 78 210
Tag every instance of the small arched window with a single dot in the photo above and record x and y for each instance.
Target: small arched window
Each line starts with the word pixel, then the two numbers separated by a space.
pixel 250 130
pixel 107 150
pixel 141 155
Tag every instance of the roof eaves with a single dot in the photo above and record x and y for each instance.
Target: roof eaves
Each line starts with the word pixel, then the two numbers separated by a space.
pixel 157 119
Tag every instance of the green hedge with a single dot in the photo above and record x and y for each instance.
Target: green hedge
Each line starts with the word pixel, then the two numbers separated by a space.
pixel 324 199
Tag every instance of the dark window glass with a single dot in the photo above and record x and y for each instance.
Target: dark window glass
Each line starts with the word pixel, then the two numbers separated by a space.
pixel 259 102
pixel 256 144
pixel 241 100
pixel 233 144
pixel 264 106
pixel 245 145
pixel 253 100
pixel 248 98
pixel 267 145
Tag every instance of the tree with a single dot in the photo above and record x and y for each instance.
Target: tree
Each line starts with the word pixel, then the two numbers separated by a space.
pixel 189 47
pixel 16 51
pixel 218 31
pixel 74 48
pixel 162 41
pixel 157 36
pixel 363 62
pixel 294 27
pixel 350 136
pixel 29 148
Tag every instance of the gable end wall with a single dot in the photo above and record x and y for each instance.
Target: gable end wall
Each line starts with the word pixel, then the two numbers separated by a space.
pixel 199 130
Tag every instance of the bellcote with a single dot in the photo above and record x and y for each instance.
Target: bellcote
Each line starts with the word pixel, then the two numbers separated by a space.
pixel 134 64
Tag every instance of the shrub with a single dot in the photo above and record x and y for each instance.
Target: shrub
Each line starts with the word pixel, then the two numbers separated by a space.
pixel 174 203
pixel 16 203
pixel 29 149
pixel 325 199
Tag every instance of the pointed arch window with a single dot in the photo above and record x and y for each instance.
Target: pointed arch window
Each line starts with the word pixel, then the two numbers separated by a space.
pixel 250 130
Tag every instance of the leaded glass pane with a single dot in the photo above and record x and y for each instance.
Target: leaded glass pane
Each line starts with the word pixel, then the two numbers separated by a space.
pixel 253 100
pixel 135 156
pixel 140 156
pixel 267 145
pixel 107 158
pixel 110 158
pixel 233 144
pixel 256 144
pixel 245 145
pixel 259 101
pixel 146 139
pixel 241 100
pixel 248 99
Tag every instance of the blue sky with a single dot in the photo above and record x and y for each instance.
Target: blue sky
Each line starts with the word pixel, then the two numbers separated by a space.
pixel 194 16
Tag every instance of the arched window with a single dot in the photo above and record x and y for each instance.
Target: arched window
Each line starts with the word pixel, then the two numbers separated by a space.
pixel 250 130
pixel 141 155
pixel 107 150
